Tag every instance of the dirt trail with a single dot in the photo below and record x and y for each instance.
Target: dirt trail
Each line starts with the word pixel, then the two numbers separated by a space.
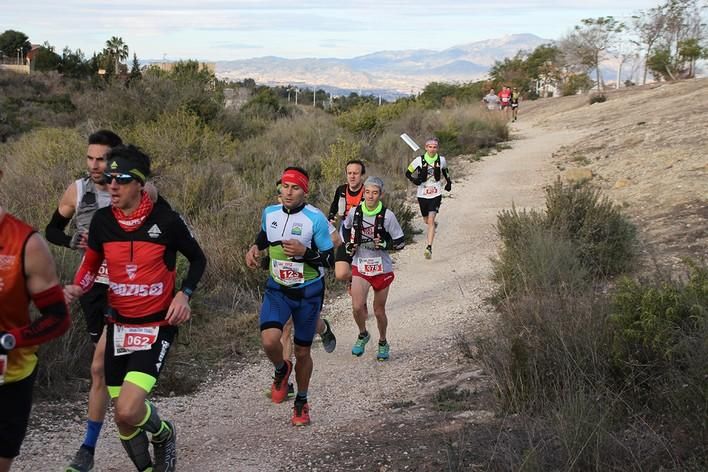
pixel 230 426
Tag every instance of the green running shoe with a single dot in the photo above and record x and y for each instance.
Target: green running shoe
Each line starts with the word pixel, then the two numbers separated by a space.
pixel 360 345
pixel 166 451
pixel 382 354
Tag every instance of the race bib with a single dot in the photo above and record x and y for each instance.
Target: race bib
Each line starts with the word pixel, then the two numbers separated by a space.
pixel 3 367
pixel 431 190
pixel 288 272
pixel 370 266
pixel 127 339
pixel 102 277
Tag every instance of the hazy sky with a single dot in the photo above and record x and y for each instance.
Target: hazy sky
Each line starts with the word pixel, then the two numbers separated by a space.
pixel 238 29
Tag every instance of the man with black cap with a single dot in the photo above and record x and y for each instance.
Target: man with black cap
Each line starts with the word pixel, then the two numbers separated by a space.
pixel 139 241
pixel 79 202
pixel 297 238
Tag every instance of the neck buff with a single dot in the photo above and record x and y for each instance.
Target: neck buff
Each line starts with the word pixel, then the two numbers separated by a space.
pixel 430 159
pixel 295 177
pixel 373 212
pixel 136 219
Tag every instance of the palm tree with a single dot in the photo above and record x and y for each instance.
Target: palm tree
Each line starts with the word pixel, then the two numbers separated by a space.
pixel 117 49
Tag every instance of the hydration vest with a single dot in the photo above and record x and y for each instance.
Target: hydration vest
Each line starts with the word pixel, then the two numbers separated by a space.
pixel 437 171
pixel 89 199
pixel 358 223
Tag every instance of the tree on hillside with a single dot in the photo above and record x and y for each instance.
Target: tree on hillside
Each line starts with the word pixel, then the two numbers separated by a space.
pixel 117 51
pixel 511 72
pixel 588 43
pixel 11 41
pixel 74 64
pixel 46 59
pixel 135 73
pixel 672 35
pixel 649 26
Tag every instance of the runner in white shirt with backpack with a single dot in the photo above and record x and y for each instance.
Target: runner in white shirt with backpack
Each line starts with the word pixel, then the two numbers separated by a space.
pixel 370 231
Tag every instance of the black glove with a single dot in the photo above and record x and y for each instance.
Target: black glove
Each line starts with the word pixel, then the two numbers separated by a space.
pixel 350 248
pixel 448 185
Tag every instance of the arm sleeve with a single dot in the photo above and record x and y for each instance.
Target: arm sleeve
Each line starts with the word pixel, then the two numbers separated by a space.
pixel 189 247
pixel 88 270
pixel 394 231
pixel 346 229
pixel 412 167
pixel 55 230
pixel 334 206
pixel 55 319
pixel 261 240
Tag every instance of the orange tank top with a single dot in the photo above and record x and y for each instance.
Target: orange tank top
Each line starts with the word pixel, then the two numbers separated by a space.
pixel 14 299
pixel 352 199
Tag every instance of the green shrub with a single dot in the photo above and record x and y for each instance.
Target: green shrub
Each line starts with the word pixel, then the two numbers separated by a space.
pixel 604 238
pixel 598 98
pixel 654 320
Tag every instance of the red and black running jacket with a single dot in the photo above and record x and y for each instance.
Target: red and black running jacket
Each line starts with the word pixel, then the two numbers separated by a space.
pixel 141 263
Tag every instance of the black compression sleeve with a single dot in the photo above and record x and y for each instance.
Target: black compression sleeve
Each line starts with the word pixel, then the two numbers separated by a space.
pixel 399 243
pixel 446 173
pixel 55 230
pixel 334 206
pixel 262 240
pixel 319 258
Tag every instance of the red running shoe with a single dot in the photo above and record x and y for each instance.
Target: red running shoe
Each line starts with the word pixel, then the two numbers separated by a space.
pixel 301 414
pixel 279 389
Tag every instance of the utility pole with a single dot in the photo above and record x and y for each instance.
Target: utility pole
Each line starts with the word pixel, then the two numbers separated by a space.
pixel 314 96
pixel 297 90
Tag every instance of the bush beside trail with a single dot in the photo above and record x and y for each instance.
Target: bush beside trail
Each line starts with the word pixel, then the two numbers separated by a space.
pixel 602 371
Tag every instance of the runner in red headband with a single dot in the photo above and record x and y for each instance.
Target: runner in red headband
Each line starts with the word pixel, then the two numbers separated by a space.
pixel 294 176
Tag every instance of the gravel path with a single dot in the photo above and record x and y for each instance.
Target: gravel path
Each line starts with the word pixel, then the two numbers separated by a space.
pixel 229 425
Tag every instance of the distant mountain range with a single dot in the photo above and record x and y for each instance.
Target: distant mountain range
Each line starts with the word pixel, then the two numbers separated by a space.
pixel 387 73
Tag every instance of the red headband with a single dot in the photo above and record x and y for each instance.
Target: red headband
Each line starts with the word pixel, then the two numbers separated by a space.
pixel 296 177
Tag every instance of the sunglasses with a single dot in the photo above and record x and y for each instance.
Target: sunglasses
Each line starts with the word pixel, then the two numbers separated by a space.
pixel 121 179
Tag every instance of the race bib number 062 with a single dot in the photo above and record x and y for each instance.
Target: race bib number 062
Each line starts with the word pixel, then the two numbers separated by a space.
pixel 127 339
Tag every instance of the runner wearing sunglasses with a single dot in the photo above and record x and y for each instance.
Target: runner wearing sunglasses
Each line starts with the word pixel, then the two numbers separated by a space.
pixel 139 241
pixel 78 204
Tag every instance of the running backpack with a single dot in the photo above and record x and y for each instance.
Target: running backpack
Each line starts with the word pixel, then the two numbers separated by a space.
pixel 358 222
pixel 437 171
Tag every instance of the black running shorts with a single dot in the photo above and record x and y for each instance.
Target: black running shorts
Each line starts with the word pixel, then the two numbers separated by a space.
pixel 149 362
pixel 93 304
pixel 15 407
pixel 429 204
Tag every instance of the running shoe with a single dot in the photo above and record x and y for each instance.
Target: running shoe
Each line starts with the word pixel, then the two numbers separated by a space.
pixel 279 389
pixel 360 345
pixel 82 462
pixel 291 392
pixel 382 354
pixel 166 451
pixel 301 414
pixel 428 252
pixel 329 340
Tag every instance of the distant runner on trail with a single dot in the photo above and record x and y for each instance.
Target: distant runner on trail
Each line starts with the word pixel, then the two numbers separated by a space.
pixel 491 101
pixel 426 172
pixel 515 95
pixel 505 100
pixel 27 274
pixel 297 238
pixel 370 231
pixel 139 240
